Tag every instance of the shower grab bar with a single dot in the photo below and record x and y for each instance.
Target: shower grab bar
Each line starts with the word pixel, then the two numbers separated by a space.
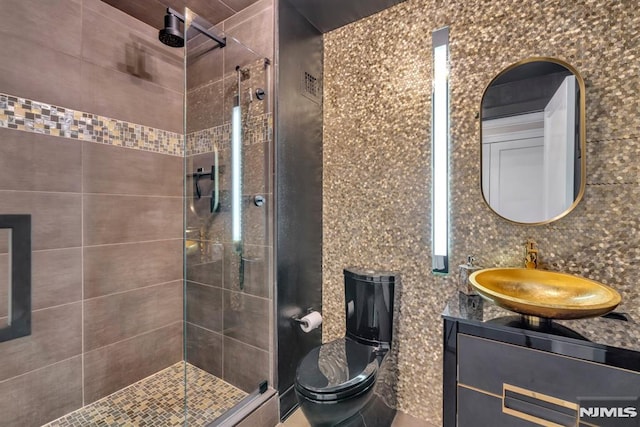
pixel 214 175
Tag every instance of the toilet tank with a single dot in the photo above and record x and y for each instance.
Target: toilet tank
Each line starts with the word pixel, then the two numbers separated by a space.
pixel 369 297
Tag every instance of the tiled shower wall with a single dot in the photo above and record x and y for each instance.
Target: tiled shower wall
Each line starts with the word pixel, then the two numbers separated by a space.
pixel 377 170
pixel 228 322
pixel 105 195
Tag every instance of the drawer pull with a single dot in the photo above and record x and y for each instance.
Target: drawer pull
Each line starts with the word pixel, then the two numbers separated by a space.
pixel 538 408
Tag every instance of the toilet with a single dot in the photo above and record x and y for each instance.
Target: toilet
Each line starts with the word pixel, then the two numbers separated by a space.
pixel 351 381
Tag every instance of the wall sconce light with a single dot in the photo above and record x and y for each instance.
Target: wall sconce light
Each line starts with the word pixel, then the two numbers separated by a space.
pixel 440 152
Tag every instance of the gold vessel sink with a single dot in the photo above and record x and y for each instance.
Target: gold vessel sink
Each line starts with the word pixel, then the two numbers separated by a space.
pixel 545 294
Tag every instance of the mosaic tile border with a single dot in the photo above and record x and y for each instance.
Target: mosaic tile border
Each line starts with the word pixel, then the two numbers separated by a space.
pixel 256 130
pixel 38 117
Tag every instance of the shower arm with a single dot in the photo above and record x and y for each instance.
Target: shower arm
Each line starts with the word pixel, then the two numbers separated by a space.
pixel 222 42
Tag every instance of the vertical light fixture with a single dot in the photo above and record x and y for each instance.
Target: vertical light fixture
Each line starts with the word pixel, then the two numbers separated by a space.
pixel 440 152
pixel 236 172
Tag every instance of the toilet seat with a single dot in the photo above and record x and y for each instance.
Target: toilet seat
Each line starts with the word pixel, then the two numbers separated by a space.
pixel 337 370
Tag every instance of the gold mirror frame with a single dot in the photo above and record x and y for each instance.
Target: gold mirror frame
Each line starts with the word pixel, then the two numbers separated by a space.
pixel 582 135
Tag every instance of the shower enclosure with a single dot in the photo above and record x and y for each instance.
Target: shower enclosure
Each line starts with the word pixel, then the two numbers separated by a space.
pixel 135 219
pixel 228 209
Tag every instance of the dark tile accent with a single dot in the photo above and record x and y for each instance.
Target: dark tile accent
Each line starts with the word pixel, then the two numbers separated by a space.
pixel 204 107
pixel 57 277
pixel 55 217
pixel 115 366
pixel 39 162
pixel 204 349
pixel 266 415
pixel 256 270
pixel 120 219
pixel 244 366
pixel 116 268
pixel 121 96
pixel 134 50
pixel 117 317
pixel 34 71
pixel 205 263
pixel 204 306
pixel 119 170
pixel 246 318
pixel 41 396
pixel 56 334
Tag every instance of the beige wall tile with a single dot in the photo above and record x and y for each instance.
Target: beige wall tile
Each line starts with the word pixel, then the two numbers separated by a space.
pixel 43 395
pixel 132 50
pixel 121 96
pixel 33 71
pixel 119 219
pixel 56 277
pixel 55 217
pixel 204 306
pixel 55 24
pixel 120 316
pixel 117 268
pixel 110 368
pixel 204 349
pixel 56 334
pixel 119 170
pixel 39 162
pixel 244 366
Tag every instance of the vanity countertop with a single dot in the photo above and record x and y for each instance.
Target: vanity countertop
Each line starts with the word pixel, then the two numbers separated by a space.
pixel 612 334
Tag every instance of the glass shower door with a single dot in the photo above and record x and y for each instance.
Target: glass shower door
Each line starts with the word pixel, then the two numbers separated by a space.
pixel 228 244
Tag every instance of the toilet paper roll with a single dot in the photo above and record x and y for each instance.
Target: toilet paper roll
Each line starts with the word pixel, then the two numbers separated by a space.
pixel 311 321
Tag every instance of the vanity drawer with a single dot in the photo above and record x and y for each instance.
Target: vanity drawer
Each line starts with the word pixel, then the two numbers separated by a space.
pixel 477 409
pixel 490 365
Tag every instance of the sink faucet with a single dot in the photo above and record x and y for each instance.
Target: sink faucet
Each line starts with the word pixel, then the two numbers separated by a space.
pixel 531 255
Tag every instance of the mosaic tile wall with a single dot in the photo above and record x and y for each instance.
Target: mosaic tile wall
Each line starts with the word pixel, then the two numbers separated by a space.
pixel 377 158
pixel 37 117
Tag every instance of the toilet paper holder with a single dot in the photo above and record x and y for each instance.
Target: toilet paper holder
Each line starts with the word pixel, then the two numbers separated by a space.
pixel 298 317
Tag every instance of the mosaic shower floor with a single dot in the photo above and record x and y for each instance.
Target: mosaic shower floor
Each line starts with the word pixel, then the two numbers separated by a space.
pixel 158 401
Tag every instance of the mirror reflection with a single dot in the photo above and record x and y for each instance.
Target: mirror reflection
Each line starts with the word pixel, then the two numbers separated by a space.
pixel 532 118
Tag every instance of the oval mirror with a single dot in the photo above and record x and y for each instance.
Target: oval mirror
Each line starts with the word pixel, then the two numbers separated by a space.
pixel 533 141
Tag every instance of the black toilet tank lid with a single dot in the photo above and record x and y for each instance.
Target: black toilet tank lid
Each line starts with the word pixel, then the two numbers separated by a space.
pixel 338 366
pixel 370 275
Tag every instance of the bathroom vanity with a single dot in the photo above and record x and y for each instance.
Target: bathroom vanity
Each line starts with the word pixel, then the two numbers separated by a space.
pixel 500 371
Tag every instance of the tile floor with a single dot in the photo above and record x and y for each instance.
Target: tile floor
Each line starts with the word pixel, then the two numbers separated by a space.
pixel 158 401
pixel 297 419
